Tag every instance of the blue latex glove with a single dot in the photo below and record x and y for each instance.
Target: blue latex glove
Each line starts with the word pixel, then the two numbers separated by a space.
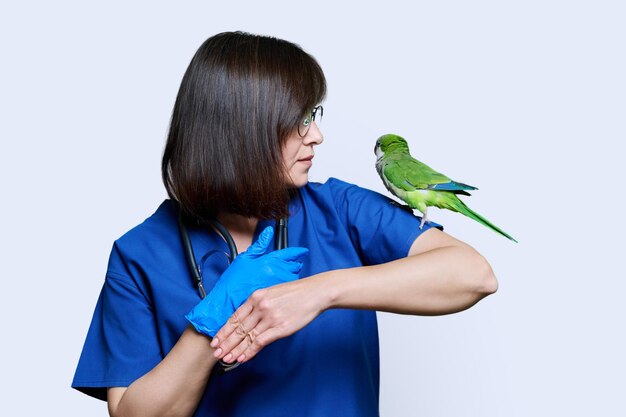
pixel 250 271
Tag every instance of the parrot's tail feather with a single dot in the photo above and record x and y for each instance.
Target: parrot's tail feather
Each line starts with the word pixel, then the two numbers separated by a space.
pixel 466 186
pixel 460 207
pixel 460 192
pixel 451 186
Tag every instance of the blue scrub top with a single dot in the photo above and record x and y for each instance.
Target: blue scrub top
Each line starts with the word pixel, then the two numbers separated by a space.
pixel 328 368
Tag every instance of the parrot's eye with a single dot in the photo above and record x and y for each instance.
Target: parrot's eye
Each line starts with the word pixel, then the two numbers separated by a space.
pixel 303 128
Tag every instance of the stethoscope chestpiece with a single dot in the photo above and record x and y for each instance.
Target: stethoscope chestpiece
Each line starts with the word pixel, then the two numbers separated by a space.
pixel 224 367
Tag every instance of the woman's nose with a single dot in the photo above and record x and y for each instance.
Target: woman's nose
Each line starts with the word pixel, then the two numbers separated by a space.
pixel 314 135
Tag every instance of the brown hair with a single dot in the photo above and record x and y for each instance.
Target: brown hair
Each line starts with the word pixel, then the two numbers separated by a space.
pixel 239 100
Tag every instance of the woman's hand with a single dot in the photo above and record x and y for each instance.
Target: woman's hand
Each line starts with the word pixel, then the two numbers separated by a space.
pixel 268 315
pixel 256 268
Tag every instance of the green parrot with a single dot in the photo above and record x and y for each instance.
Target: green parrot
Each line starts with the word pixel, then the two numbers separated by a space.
pixel 419 185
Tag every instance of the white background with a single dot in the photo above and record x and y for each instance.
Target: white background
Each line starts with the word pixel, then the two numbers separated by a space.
pixel 523 99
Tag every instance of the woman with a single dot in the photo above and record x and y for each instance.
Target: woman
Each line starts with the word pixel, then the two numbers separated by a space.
pixel 240 146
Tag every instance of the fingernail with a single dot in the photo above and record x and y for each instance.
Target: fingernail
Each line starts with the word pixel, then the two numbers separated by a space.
pixel 228 357
pixel 215 342
pixel 241 358
pixel 217 353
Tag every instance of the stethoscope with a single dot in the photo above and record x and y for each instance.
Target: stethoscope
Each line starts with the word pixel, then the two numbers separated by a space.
pixel 280 242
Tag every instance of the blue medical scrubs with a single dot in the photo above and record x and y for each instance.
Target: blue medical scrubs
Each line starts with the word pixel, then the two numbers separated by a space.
pixel 328 368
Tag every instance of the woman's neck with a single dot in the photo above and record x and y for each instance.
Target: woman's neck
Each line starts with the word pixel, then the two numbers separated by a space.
pixel 240 227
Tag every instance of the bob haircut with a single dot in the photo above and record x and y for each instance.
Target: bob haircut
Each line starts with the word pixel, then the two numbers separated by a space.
pixel 239 100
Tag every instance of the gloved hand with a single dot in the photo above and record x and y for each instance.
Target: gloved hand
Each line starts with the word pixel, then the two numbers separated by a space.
pixel 250 271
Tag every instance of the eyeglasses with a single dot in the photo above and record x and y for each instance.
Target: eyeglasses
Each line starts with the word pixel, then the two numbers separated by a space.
pixel 306 123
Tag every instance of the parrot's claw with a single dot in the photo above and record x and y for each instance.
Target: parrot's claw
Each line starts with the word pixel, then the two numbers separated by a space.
pixel 423 219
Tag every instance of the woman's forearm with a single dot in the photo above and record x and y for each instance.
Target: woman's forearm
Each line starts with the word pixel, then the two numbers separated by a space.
pixel 440 281
pixel 175 386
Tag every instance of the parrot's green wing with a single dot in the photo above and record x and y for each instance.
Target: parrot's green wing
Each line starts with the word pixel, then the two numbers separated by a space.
pixel 409 174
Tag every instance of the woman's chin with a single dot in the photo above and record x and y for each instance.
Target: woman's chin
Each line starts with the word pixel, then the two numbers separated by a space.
pixel 299 181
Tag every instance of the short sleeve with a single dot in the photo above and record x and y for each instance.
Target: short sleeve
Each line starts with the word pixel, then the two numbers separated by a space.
pixel 382 229
pixel 121 344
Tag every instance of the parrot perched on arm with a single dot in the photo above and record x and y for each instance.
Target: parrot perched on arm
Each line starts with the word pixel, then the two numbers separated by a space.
pixel 419 185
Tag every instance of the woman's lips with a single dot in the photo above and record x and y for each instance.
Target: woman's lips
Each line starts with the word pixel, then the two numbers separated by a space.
pixel 307 161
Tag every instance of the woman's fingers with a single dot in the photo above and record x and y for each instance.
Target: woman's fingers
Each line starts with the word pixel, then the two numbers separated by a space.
pixel 255 324
pixel 231 326
pixel 244 330
pixel 245 333
pixel 271 314
pixel 252 338
pixel 260 341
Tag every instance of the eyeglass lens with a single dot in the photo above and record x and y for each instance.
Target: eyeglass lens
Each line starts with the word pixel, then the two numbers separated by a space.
pixel 303 128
